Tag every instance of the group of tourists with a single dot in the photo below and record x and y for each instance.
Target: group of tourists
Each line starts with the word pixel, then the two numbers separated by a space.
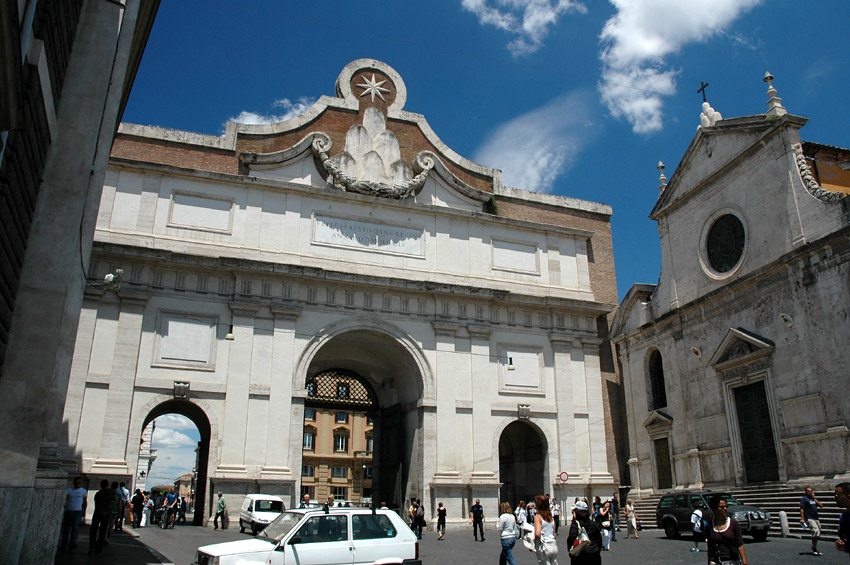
pixel 113 506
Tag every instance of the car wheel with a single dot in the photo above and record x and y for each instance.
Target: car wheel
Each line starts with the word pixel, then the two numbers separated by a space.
pixel 241 526
pixel 254 529
pixel 760 536
pixel 671 530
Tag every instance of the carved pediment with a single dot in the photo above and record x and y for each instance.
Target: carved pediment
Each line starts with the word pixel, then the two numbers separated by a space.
pixel 738 347
pixel 658 421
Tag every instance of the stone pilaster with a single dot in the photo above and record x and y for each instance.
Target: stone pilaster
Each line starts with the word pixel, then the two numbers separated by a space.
pixel 278 464
pixel 482 375
pixel 112 458
pixel 596 411
pixel 237 389
pixel 561 347
pixel 448 371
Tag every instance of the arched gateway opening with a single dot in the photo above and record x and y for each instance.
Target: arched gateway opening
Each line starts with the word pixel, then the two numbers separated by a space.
pixel 202 423
pixel 367 387
pixel 522 462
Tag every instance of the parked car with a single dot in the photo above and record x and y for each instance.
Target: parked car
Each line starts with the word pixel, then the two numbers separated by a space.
pixel 306 536
pixel 258 511
pixel 674 513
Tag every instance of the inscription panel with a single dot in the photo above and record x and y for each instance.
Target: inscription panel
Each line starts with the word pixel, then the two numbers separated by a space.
pixel 368 236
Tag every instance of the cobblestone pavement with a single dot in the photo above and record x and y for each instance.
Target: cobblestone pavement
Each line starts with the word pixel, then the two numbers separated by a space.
pixel 177 546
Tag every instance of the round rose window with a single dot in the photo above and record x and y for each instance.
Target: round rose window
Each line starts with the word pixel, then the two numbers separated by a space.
pixel 724 243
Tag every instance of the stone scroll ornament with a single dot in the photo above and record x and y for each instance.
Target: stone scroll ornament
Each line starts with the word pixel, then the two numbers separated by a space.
pixel 371 161
pixel 809 181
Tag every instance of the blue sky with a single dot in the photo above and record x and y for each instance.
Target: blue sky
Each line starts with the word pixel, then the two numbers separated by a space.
pixel 175 439
pixel 580 99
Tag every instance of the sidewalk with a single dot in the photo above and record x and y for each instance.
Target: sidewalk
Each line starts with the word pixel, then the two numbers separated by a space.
pixel 124 547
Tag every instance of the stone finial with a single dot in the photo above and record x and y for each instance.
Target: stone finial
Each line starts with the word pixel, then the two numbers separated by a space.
pixel 661 179
pixel 774 103
pixel 709 116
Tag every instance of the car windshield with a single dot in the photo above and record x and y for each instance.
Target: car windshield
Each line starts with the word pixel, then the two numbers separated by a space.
pixel 728 498
pixel 281 526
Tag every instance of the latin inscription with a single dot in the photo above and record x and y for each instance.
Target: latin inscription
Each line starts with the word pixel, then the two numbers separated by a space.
pixel 367 236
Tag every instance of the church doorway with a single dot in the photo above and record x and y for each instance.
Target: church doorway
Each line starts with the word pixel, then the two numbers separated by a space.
pixel 522 462
pixel 365 386
pixel 169 417
pixel 757 445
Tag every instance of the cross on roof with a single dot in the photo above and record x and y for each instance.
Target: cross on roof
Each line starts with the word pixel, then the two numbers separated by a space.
pixel 702 88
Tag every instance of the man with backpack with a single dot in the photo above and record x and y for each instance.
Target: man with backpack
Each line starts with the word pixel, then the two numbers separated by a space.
pixel 419 519
pixel 698 523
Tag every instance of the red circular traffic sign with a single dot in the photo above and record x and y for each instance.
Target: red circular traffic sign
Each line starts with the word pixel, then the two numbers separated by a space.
pixel 564 476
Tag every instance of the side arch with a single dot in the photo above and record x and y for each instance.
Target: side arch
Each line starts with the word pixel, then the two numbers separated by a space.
pixel 204 417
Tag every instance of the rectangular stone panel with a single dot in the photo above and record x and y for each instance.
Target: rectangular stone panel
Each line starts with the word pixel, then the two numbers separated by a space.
pixel 803 411
pixel 515 256
pixel 185 339
pixel 200 212
pixel 367 235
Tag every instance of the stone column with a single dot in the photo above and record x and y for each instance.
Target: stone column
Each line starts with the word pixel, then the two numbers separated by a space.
pixel 234 430
pixel 278 465
pixel 112 458
pixel 564 401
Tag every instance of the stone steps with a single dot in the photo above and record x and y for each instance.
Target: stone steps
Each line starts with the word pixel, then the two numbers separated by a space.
pixel 770 497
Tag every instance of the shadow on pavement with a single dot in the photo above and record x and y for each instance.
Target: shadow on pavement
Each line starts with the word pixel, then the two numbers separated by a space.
pixel 124 547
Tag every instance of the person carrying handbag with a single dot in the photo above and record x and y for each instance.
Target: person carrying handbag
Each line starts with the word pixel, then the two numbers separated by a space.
pixel 586 551
pixel 509 529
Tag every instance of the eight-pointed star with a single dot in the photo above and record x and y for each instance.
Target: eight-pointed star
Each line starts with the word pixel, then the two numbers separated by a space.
pixel 373 87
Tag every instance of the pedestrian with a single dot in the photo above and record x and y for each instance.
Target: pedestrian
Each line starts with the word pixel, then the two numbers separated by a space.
pixel 441 521
pixel 631 519
pixel 556 514
pixel 544 533
pixel 117 500
pixel 419 518
pixel 603 518
pixel 590 555
pixel 597 506
pixel 305 501
pixel 138 507
pixel 123 503
pixel 509 530
pixel 696 524
pixel 725 540
pixel 220 508
pixel 476 514
pixel 809 505
pixel 842 499
pixel 530 511
pixel 146 514
pixel 75 509
pixel 411 514
pixel 615 516
pixel 519 513
pixel 103 501
pixel 183 506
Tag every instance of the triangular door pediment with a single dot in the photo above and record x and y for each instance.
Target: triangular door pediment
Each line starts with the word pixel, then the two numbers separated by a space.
pixel 658 420
pixel 740 346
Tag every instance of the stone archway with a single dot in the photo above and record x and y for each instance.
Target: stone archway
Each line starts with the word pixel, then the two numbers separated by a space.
pixel 198 417
pixel 522 462
pixel 392 365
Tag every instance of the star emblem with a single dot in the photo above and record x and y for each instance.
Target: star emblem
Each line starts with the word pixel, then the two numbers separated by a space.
pixel 373 87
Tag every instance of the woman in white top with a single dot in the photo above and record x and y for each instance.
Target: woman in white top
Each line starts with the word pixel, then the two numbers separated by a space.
pixel 544 533
pixel 632 519
pixel 507 525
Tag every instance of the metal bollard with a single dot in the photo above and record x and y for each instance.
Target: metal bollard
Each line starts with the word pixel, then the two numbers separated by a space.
pixel 783 523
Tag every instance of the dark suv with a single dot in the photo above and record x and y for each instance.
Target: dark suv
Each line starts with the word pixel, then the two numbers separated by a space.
pixel 674 513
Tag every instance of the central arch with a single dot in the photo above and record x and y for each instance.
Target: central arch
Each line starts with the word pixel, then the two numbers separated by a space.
pixel 392 365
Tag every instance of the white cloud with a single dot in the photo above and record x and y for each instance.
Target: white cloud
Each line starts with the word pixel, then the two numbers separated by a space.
pixel 534 149
pixel 289 109
pixel 635 42
pixel 166 437
pixel 175 422
pixel 527 20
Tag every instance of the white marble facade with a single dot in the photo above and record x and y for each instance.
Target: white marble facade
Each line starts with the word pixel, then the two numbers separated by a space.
pixel 425 296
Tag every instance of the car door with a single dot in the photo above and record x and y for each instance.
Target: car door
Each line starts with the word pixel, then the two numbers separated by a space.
pixel 323 539
pixel 682 510
pixel 376 538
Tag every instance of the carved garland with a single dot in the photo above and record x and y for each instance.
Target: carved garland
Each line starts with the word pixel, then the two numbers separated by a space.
pixel 423 161
pixel 809 181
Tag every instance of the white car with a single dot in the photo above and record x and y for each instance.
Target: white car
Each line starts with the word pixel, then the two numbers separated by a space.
pixel 307 536
pixel 258 511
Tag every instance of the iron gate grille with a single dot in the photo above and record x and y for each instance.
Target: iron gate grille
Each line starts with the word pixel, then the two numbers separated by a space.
pixel 340 387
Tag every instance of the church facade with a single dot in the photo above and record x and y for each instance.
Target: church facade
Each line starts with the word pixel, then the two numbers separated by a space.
pixel 733 362
pixel 347 259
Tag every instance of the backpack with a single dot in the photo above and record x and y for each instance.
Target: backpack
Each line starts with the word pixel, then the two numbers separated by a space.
pixel 420 512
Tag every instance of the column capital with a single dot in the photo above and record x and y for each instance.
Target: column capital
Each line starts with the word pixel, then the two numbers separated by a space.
pixel 246 309
pixel 285 312
pixel 444 328
pixel 133 298
pixel 563 343
pixel 479 331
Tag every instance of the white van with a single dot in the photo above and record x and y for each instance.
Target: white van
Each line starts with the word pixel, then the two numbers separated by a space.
pixel 258 510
